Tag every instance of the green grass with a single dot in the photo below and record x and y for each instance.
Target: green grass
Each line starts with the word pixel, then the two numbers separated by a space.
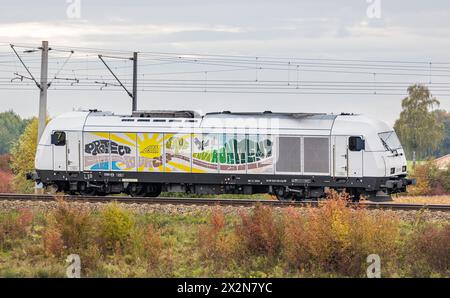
pixel 409 164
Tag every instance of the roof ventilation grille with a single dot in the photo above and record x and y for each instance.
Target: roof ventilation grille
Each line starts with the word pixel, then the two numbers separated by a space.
pixel 166 114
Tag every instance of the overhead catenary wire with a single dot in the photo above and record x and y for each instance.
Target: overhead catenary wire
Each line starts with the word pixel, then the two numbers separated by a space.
pixel 196 72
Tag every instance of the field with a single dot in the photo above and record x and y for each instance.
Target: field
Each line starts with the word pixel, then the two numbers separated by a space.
pixel 445 199
pixel 111 241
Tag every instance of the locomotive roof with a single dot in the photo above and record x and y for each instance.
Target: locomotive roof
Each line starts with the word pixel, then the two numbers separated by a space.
pixel 292 123
pixel 216 120
pixel 264 114
pixel 96 120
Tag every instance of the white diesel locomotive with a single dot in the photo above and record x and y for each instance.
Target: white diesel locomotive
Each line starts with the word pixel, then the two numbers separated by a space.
pixel 291 155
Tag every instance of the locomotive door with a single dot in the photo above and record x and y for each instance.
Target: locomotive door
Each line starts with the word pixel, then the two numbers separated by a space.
pixel 347 163
pixel 340 158
pixel 59 148
pixel 356 147
pixel 73 150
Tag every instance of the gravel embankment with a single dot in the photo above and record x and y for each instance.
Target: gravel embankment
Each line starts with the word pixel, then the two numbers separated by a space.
pixel 169 209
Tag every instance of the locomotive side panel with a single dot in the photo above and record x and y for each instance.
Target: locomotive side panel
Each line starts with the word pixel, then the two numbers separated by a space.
pixel 232 153
pixel 316 155
pixel 205 153
pixel 96 151
pixel 150 152
pixel 288 155
pixel 260 152
pixel 123 152
pixel 177 154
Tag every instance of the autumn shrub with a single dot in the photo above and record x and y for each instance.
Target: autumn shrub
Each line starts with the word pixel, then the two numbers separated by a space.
pixel 297 239
pixel 53 241
pixel 145 245
pixel 14 225
pixel 5 182
pixel 72 229
pixel 430 180
pixel 22 158
pixel 5 174
pixel 152 244
pixel 337 239
pixel 214 241
pixel 428 250
pixel 5 160
pixel 260 232
pixel 75 225
pixel 116 227
pixel 24 219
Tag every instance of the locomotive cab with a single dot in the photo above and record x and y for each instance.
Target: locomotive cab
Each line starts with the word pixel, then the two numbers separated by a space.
pixel 381 156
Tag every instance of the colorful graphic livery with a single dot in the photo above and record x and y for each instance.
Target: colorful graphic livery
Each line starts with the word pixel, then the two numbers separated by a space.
pixel 168 152
pixel 291 155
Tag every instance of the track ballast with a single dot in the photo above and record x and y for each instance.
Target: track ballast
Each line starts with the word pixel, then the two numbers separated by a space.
pixel 214 201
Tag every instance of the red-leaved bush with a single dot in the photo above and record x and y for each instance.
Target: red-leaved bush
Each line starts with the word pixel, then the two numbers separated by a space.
pixel 260 231
pixel 5 159
pixel 5 181
pixel 214 242
pixel 429 250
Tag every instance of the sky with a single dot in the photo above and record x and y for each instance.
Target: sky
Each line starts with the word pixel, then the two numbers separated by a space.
pixel 396 30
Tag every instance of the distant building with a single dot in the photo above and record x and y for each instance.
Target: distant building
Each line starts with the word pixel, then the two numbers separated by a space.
pixel 443 161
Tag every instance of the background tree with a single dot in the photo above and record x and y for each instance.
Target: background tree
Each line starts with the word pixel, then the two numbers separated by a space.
pixel 418 127
pixel 11 127
pixel 22 159
pixel 443 117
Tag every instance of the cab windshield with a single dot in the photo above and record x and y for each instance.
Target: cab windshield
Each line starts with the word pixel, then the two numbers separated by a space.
pixel 390 140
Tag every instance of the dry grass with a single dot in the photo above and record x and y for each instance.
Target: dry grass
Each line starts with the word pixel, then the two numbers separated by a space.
pixel 445 199
pixel 336 239
pixel 260 232
pixel 332 240
pixel 214 242
pixel 429 250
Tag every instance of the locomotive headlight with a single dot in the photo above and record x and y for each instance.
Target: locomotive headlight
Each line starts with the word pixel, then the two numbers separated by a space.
pixel 404 169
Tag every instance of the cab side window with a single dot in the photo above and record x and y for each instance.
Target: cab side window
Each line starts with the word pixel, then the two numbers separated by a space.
pixel 59 138
pixel 356 144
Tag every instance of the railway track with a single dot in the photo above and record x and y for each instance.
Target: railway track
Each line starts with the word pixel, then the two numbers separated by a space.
pixel 208 201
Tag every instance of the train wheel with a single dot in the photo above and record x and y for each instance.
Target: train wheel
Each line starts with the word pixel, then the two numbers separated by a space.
pixel 153 190
pixel 286 197
pixel 135 190
pixel 355 196
pixel 53 189
pixel 283 195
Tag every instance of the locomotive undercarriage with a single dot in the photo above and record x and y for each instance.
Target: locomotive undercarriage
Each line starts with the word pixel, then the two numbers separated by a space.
pixel 283 187
pixel 155 189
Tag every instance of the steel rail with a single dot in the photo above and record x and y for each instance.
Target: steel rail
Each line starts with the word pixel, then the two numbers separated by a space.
pixel 215 201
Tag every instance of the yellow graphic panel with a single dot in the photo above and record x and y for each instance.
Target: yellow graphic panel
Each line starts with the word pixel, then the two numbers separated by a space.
pixel 178 152
pixel 150 152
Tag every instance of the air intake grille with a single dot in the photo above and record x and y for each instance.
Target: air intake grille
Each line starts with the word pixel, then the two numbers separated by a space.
pixel 288 154
pixel 317 156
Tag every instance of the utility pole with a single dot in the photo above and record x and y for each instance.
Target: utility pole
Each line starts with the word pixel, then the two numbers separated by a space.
pixel 43 85
pixel 135 57
pixel 132 94
pixel 43 90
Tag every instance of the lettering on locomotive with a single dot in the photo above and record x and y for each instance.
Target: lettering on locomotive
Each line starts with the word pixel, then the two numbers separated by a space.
pixel 105 147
